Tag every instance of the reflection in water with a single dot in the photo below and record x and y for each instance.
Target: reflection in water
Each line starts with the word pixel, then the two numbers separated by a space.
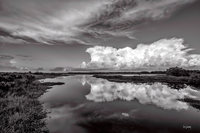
pixel 158 94
pixel 82 104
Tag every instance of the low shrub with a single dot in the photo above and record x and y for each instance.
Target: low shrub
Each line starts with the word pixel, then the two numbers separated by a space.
pixel 176 71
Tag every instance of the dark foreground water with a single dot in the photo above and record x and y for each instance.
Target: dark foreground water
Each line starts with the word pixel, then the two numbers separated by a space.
pixel 85 104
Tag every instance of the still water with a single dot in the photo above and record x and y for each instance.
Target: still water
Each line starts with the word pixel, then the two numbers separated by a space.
pixel 85 104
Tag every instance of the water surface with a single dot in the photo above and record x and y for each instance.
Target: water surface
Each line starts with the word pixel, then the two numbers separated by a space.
pixel 86 104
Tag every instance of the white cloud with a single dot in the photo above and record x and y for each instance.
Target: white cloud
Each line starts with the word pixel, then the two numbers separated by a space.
pixel 121 16
pixel 49 20
pixel 46 20
pixel 157 94
pixel 162 53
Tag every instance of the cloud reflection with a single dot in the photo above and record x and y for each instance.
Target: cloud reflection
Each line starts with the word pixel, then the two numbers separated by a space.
pixel 158 94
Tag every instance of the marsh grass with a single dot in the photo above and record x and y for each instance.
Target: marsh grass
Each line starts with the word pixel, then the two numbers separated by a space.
pixel 20 110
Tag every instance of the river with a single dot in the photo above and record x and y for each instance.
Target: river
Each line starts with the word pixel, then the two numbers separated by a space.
pixel 85 104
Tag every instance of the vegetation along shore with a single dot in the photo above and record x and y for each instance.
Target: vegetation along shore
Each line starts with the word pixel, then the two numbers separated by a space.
pixel 175 77
pixel 21 112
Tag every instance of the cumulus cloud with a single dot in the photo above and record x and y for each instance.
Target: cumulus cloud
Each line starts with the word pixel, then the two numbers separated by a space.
pixel 48 21
pixel 157 94
pixel 162 53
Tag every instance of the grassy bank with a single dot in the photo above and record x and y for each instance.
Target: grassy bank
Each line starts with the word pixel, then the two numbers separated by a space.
pixel 175 81
pixel 20 110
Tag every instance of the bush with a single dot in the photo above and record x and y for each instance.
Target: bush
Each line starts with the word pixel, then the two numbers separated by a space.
pixel 194 79
pixel 176 71
pixel 20 110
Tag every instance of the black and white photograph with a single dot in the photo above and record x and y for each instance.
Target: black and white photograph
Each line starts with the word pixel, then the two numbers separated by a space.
pixel 99 66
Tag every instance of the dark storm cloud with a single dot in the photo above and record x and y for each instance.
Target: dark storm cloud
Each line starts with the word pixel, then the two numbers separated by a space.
pixel 66 21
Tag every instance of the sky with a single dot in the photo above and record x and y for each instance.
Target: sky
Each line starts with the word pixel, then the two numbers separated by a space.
pixel 57 35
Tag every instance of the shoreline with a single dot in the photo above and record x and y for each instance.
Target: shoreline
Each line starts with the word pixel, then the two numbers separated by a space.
pixel 168 79
pixel 21 110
